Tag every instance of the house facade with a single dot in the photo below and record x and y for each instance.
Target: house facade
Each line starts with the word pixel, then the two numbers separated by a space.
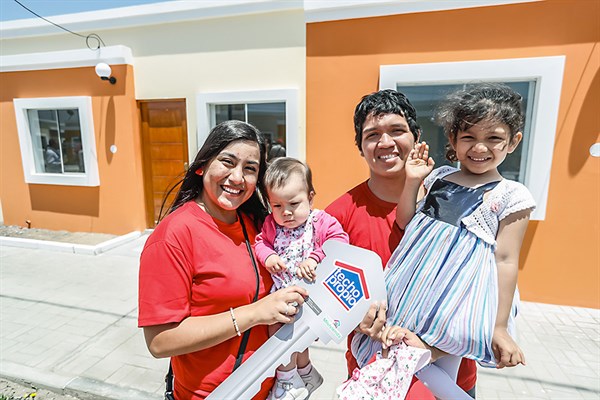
pixel 549 50
pixel 296 69
pixel 180 68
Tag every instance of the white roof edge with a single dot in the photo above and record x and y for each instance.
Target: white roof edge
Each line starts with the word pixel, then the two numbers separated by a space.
pixel 66 59
pixel 147 14
pixel 326 10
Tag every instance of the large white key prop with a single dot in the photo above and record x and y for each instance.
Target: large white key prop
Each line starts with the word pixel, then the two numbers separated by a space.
pixel 348 280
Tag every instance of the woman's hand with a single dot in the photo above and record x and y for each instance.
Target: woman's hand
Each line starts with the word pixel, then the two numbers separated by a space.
pixel 280 306
pixel 275 264
pixel 374 321
pixel 419 164
pixel 306 269
pixel 506 350
pixel 201 332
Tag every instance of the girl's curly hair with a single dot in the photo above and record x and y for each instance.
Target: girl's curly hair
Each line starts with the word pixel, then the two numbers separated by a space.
pixel 485 101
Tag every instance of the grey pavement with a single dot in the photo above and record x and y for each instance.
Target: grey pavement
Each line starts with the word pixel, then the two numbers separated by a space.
pixel 68 322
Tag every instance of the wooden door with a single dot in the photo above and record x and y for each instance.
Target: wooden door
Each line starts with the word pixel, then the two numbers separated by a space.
pixel 164 152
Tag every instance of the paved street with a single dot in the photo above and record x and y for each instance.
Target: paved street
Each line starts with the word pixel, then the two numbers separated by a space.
pixel 68 321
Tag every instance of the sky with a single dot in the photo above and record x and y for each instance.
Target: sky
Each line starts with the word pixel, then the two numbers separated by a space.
pixel 10 10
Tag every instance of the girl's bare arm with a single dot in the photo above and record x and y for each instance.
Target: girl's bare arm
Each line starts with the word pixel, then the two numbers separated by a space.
pixel 509 239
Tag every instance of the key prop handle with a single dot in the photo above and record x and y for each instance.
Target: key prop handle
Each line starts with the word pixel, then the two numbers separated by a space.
pixel 349 280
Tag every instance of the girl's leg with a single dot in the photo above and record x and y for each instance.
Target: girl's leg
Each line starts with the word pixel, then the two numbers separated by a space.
pixel 288 383
pixel 292 364
pixel 440 378
pixel 310 376
pixel 450 364
pixel 302 359
pixel 289 367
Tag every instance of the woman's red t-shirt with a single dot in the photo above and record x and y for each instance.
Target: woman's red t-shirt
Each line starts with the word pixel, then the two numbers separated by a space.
pixel 194 265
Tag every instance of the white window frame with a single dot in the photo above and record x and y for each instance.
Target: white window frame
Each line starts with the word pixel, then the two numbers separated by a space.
pixel 204 102
pixel 547 72
pixel 88 141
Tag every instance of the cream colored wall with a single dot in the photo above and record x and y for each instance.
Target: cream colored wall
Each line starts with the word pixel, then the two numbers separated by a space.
pixel 179 60
pixel 222 71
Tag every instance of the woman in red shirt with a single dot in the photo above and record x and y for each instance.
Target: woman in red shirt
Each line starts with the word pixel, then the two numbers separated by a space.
pixel 198 279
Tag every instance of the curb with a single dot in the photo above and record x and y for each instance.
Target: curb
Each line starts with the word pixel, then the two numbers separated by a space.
pixel 70 247
pixel 80 387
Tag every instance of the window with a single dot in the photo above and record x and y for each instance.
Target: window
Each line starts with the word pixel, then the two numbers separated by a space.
pixel 273 112
pixel 426 98
pixel 57 140
pixel 538 80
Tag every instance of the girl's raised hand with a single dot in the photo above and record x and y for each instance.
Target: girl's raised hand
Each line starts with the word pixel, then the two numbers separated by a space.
pixel 419 164
pixel 506 350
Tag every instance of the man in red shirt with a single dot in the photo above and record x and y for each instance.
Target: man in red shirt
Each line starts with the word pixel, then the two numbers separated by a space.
pixel 386 130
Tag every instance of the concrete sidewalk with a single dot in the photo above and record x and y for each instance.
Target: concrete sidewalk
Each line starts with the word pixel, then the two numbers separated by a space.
pixel 68 321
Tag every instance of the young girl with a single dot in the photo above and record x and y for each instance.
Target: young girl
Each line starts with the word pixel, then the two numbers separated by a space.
pixel 452 279
pixel 289 247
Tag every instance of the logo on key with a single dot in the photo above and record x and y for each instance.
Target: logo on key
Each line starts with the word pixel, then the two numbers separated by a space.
pixel 347 284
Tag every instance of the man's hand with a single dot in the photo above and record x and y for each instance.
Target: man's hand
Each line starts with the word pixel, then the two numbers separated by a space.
pixel 374 321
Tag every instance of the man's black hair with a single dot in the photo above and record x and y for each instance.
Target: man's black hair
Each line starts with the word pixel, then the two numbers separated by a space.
pixel 387 101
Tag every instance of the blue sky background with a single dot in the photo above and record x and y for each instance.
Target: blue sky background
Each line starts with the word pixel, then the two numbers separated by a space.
pixel 9 10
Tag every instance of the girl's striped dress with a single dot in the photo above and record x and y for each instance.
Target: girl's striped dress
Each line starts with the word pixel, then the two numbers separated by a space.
pixel 442 280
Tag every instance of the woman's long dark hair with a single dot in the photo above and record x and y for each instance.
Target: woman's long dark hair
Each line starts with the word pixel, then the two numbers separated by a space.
pixel 220 137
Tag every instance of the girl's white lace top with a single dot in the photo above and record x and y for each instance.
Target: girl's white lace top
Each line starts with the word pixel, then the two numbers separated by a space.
pixel 505 199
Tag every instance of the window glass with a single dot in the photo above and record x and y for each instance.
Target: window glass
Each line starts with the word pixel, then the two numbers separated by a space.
pixel 269 118
pixel 56 141
pixel 226 112
pixel 426 99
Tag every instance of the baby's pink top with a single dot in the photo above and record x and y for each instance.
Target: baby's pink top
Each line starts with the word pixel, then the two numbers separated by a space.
pixel 325 227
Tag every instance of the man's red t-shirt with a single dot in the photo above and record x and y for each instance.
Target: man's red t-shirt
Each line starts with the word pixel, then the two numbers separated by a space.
pixel 371 224
pixel 194 265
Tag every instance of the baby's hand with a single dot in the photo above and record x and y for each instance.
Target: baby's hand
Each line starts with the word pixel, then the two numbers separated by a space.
pixel 507 352
pixel 306 269
pixel 419 164
pixel 275 264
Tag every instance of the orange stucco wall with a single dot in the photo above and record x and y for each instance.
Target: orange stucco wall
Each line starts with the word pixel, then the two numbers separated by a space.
pixel 117 205
pixel 560 260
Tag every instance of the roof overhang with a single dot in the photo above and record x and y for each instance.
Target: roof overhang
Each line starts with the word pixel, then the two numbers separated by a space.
pixel 113 55
pixel 147 14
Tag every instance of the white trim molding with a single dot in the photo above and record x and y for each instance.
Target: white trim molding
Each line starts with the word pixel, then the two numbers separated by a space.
pixel 186 10
pixel 328 10
pixel 547 72
pixel 66 59
pixel 290 96
pixel 146 14
pixel 88 141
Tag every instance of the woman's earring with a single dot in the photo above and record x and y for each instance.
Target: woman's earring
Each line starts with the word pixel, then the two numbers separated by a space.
pixel 199 172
